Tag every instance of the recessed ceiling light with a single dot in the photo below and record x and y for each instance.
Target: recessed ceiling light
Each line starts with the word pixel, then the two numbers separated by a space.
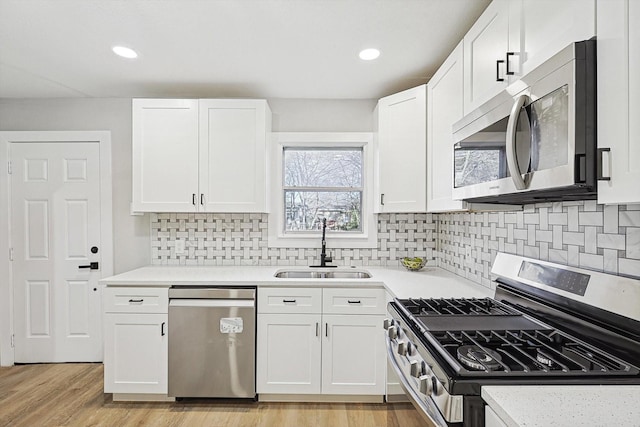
pixel 125 52
pixel 369 54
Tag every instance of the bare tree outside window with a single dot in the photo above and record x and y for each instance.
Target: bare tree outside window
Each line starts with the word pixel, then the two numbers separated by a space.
pixel 323 183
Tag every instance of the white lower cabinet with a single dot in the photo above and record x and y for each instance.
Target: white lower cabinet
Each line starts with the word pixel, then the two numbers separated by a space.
pixel 135 354
pixel 353 358
pixel 135 340
pixel 289 349
pixel 319 352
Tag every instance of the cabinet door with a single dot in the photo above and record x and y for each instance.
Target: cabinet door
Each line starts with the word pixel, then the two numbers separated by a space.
pixel 165 155
pixel 402 151
pixel 618 91
pixel 288 353
pixel 353 355
pixel 135 353
pixel 233 139
pixel 546 27
pixel 444 108
pixel 485 45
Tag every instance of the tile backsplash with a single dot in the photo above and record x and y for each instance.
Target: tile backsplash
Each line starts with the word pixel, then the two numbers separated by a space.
pixel 581 234
pixel 584 234
pixel 241 239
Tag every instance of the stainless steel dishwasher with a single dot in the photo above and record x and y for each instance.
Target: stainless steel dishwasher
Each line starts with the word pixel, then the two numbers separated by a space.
pixel 212 342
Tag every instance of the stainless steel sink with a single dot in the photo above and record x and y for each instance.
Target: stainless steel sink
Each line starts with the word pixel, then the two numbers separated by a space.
pixel 315 274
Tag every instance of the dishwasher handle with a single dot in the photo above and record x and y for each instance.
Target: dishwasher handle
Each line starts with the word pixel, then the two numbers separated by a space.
pixel 184 292
pixel 183 302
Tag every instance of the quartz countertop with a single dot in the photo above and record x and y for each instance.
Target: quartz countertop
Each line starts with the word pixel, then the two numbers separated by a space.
pixel 431 282
pixel 548 406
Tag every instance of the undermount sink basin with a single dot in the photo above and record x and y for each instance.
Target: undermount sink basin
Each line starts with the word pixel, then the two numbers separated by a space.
pixel 322 274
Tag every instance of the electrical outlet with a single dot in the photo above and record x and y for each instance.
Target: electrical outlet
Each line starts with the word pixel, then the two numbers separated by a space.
pixel 179 247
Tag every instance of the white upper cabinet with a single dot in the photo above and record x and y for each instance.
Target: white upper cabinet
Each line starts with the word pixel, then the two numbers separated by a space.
pixel 618 91
pixel 233 140
pixel 512 37
pixel 165 155
pixel 444 108
pixel 200 155
pixel 485 48
pixel 402 151
pixel 546 27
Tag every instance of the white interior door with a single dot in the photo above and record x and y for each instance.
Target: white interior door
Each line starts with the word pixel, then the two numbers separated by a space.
pixel 55 229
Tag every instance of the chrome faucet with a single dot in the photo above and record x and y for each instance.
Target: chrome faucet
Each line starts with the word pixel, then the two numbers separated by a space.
pixel 324 258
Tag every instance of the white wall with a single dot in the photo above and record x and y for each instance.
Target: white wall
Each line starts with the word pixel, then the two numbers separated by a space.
pixel 322 115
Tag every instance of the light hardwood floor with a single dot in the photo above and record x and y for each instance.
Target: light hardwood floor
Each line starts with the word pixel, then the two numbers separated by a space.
pixel 71 395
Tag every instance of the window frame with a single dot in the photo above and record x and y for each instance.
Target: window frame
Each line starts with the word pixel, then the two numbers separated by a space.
pixel 367 238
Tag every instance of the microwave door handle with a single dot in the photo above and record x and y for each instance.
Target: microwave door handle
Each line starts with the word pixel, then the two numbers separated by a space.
pixel 512 161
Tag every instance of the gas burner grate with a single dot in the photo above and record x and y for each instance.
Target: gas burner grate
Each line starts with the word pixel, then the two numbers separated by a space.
pixel 526 352
pixel 456 307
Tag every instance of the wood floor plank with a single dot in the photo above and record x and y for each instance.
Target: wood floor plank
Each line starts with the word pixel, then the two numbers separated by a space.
pixel 70 395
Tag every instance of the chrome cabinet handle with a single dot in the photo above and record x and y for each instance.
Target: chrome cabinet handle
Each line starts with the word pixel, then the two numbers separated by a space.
pixel 382 199
pixel 202 199
pixel 193 198
pixel 354 301
pixel 289 301
pixel 326 329
pixel 317 327
pixel 512 161
pixel 162 333
pixel 498 78
pixel 136 301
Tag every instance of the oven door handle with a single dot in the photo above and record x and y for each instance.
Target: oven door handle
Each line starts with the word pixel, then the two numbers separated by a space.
pixel 428 413
pixel 512 159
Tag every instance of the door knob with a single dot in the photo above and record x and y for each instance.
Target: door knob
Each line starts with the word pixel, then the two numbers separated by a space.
pixel 91 266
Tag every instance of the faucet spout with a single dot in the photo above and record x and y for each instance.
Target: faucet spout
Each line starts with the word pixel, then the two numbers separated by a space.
pixel 324 258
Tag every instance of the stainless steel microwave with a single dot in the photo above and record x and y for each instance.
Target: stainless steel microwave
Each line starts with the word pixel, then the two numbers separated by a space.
pixel 536 140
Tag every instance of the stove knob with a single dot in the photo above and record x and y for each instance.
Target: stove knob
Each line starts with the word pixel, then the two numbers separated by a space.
pixel 402 348
pixel 425 368
pixel 393 332
pixel 416 370
pixel 411 349
pixel 437 387
pixel 387 323
pixel 426 386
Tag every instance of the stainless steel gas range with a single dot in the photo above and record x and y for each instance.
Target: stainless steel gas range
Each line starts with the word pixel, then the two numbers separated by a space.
pixel 548 324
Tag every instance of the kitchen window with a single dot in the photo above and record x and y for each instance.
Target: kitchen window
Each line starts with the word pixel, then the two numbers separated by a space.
pixel 320 176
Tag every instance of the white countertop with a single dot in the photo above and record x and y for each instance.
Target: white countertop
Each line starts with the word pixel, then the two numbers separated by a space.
pixel 547 406
pixel 521 406
pixel 429 282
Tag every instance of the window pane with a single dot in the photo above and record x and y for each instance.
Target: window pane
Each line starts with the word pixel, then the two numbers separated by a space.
pixel 333 167
pixel 304 210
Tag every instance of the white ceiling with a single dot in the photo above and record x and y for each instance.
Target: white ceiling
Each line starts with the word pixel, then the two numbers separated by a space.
pixel 225 48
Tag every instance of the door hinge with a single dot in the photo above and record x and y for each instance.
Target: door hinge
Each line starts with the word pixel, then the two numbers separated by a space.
pixel 9 167
pixel 13 341
pixel 10 254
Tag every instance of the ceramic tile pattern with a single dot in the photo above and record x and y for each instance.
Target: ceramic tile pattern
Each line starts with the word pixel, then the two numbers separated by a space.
pixel 584 234
pixel 241 239
pixel 581 234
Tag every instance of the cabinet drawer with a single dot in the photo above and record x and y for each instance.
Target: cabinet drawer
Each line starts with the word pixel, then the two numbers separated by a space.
pixel 289 300
pixel 136 300
pixel 354 301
